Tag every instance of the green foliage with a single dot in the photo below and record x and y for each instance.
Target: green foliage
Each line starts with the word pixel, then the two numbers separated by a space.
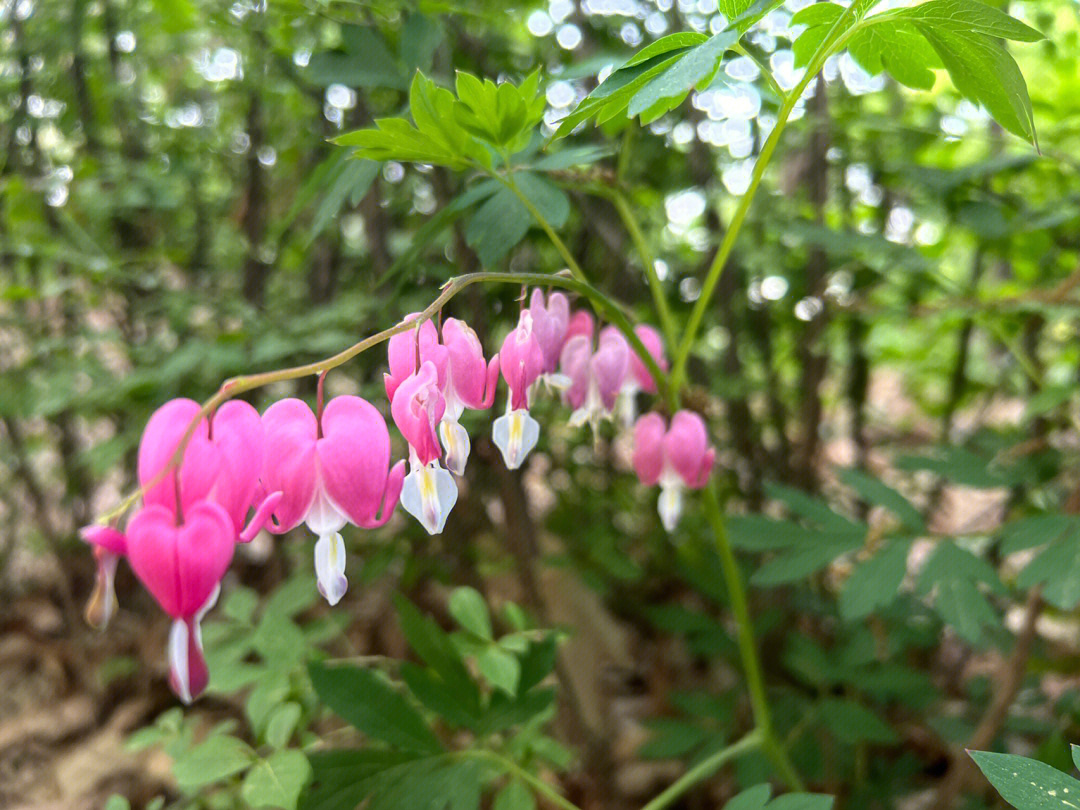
pixel 412 767
pixel 1028 784
pixel 757 798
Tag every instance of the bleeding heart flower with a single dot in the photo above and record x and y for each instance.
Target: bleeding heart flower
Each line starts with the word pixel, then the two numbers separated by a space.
pixel 522 362
pixel 470 383
pixel 406 350
pixel 581 323
pixel 638 378
pixel 221 462
pixel 109 546
pixel 596 378
pixel 428 492
pixel 330 471
pixel 181 560
pixel 675 457
pixel 550 321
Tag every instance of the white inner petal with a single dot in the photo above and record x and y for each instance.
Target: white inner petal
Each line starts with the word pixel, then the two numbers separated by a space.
pixel 330 567
pixel 428 494
pixel 670 505
pixel 178 659
pixel 324 517
pixel 515 434
pixel 455 440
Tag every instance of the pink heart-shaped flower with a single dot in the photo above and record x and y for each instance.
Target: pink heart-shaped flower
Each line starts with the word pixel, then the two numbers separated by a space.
pixel 181 565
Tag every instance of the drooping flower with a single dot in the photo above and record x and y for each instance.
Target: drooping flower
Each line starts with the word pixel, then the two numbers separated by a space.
pixel 429 491
pixel 521 359
pixel 221 463
pixel 109 545
pixel 638 378
pixel 406 350
pixel 596 378
pixel 581 323
pixel 470 383
pixel 331 470
pixel 550 321
pixel 675 457
pixel 181 560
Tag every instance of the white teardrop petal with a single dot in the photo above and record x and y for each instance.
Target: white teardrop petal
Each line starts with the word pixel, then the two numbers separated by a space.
pixel 670 506
pixel 515 434
pixel 428 494
pixel 178 659
pixel 455 440
pixel 330 567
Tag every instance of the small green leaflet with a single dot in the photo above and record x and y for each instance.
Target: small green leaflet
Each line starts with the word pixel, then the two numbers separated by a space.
pixel 874 584
pixel 1028 784
pixel 696 69
pixel 276 781
pixel 872 490
pixel 503 220
pixel 654 80
pixel 1058 567
pixel 953 574
pixel 757 798
pixel 365 700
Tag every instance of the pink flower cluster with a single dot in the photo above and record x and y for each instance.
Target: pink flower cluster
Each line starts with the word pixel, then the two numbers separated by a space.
pixel 333 467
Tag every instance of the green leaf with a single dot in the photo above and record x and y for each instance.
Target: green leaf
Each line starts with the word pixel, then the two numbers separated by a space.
pixel 364 61
pixel 697 68
pixel 962 605
pixel 734 8
pixel 342 779
pixel 873 491
pixel 813 509
pixel 898 47
pixel 212 760
pixel 853 723
pixel 817 14
pixel 351 181
pixel 874 583
pixel 437 651
pixel 1058 566
pixel 802 561
pixel 515 796
pixel 363 699
pixel 282 723
pixel 757 798
pixel 984 72
pixel 117 802
pixel 277 780
pixel 1028 784
pixel 503 220
pixel 468 608
pixel 971 17
pixel 501 669
pixel 1035 530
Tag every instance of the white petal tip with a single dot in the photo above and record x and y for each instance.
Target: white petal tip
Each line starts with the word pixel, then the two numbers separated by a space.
pixel 428 494
pixel 515 434
pixel 330 567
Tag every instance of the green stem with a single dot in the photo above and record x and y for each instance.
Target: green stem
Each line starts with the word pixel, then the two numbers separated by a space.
pixel 704 769
pixel 667 321
pixel 834 39
pixel 511 768
pixel 508 181
pixel 611 312
pixel 748 652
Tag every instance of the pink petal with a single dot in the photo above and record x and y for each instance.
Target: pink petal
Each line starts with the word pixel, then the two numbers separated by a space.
pixel 549 324
pixel 655 346
pixel 521 360
pixel 289 462
pixel 104 537
pixel 649 434
pixel 238 433
pixel 610 365
pixel 687 446
pixel 181 565
pixel 402 353
pixel 581 323
pixel 417 407
pixel 354 456
pixel 575 364
pixel 467 368
pixel 163 434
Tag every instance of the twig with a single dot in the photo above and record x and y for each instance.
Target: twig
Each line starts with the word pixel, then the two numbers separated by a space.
pixel 1007 681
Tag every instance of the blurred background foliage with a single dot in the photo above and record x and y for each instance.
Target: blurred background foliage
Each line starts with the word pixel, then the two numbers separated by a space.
pixel 890 370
